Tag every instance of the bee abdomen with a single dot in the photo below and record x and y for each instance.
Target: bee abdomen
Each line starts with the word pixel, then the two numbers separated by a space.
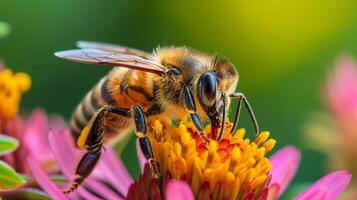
pixel 85 110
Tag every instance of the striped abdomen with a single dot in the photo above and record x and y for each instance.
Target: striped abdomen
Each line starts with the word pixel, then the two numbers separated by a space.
pixel 122 88
pixel 85 109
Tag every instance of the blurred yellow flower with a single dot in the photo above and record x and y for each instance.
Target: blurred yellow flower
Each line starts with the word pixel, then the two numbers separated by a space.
pixel 12 86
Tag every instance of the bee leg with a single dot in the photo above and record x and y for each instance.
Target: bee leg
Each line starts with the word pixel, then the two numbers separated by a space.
pixel 144 142
pixel 224 115
pixel 236 118
pixel 241 98
pixel 191 107
pixel 91 138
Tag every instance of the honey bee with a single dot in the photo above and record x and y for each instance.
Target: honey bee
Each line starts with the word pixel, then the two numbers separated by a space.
pixel 174 82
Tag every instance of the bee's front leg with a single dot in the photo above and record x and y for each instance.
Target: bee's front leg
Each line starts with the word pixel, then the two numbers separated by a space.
pixel 191 107
pixel 144 142
pixel 242 99
pixel 91 138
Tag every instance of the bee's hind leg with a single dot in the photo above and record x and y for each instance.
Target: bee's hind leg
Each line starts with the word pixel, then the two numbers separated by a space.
pixel 91 138
pixel 144 142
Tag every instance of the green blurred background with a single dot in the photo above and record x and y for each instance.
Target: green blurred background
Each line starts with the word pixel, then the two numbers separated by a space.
pixel 282 50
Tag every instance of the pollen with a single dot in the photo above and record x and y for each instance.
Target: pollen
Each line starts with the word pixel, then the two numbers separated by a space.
pixel 233 168
pixel 12 87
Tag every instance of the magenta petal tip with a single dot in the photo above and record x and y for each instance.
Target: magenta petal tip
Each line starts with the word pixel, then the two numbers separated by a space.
pixel 328 187
pixel 178 190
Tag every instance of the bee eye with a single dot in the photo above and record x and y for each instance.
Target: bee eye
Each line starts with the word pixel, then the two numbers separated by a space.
pixel 174 71
pixel 207 88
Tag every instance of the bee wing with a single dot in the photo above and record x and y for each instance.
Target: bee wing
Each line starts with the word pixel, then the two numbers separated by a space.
pixel 100 57
pixel 112 48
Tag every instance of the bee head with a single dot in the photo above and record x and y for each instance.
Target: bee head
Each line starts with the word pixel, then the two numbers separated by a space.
pixel 209 96
pixel 212 89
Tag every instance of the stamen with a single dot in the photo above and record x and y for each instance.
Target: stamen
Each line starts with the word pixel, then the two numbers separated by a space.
pixel 233 168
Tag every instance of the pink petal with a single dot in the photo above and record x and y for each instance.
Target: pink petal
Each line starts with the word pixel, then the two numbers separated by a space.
pixel 141 157
pixel 15 128
pixel 64 153
pixel 37 127
pixel 66 156
pixel 111 168
pixel 342 87
pixel 68 139
pixel 328 187
pixel 57 122
pixel 43 180
pixel 38 122
pixel 178 190
pixel 285 163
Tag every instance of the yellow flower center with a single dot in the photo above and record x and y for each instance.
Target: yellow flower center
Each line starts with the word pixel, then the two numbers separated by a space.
pixel 12 86
pixel 233 168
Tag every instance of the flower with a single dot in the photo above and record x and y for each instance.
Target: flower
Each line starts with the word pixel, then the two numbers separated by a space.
pixel 258 179
pixel 286 162
pixel 190 169
pixel 232 168
pixel 337 130
pixel 35 137
pixel 30 135
pixel 341 89
pixel 12 87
